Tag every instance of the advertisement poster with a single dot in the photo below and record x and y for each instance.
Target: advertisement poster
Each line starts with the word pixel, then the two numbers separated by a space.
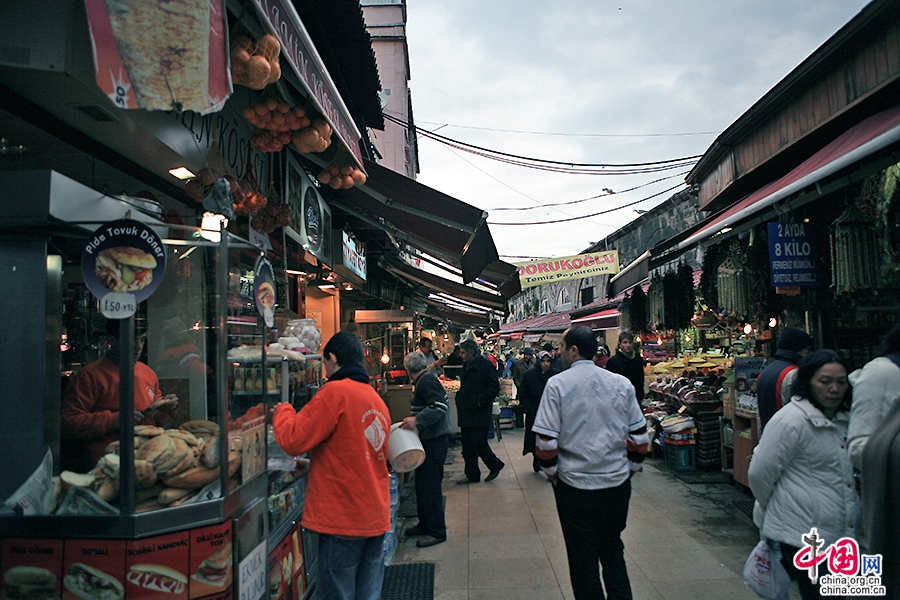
pixel 253 450
pixel 93 565
pixel 264 285
pixel 155 567
pixel 746 370
pixel 122 264
pixel 31 568
pixel 148 55
pixel 211 562
pixel 792 254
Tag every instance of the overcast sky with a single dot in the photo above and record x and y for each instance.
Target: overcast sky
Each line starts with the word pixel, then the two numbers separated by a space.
pixel 591 81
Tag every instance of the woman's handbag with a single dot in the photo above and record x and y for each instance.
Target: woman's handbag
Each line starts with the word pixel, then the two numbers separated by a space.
pixel 765 574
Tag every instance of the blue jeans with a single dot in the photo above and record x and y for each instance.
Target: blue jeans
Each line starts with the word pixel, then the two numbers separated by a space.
pixel 349 569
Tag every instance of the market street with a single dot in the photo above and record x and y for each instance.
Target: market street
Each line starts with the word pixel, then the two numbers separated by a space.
pixel 682 541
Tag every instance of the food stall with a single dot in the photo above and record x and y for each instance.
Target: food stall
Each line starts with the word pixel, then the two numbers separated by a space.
pixel 388 336
pixel 191 506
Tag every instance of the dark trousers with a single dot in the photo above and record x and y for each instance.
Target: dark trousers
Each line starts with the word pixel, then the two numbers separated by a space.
pixel 474 446
pixel 808 589
pixel 592 522
pixel 429 496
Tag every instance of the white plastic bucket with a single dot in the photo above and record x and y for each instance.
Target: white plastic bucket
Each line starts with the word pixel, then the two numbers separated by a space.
pixel 405 451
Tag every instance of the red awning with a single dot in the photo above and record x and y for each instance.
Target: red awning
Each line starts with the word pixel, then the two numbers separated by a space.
pixel 516 335
pixel 605 319
pixel 860 141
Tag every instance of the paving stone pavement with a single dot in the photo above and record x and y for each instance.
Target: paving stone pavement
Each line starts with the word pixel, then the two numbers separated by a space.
pixel 684 541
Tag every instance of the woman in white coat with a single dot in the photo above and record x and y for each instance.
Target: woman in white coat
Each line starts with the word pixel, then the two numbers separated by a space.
pixel 800 473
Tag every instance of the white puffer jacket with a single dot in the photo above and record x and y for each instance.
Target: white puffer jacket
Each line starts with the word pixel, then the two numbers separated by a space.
pixel 801 476
pixel 875 389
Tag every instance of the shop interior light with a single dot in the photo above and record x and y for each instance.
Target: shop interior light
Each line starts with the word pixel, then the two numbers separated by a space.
pixel 347 286
pixel 181 173
pixel 638 339
pixel 385 359
pixel 211 227
pixel 296 272
pixel 748 328
pixel 773 322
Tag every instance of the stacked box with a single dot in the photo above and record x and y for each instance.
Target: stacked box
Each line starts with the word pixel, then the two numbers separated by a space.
pixel 680 458
pixel 709 447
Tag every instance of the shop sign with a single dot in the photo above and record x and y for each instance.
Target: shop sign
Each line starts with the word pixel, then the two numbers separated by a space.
pixel 123 264
pixel 792 254
pixel 310 216
pixel 303 57
pixel 252 574
pixel 354 253
pixel 264 290
pixel 568 268
pixel 134 65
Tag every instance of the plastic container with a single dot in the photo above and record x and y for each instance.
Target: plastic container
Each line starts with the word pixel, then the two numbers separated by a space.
pixel 405 451
pixel 305 331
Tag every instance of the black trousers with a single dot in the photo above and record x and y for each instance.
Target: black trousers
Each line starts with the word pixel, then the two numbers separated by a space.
pixel 808 589
pixel 592 522
pixel 429 496
pixel 474 446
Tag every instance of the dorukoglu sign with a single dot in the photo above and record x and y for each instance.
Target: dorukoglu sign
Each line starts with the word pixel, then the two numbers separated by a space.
pixel 548 270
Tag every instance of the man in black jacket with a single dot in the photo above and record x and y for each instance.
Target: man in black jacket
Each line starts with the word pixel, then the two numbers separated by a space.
pixel 431 419
pixel 478 387
pixel 629 362
pixel 772 384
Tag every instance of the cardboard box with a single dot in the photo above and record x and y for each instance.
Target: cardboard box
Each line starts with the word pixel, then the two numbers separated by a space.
pixel 728 408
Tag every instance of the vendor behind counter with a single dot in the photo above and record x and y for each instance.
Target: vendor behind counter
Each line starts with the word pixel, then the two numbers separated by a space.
pixel 90 407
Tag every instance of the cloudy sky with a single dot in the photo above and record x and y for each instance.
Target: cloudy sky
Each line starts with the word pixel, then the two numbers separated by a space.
pixel 593 82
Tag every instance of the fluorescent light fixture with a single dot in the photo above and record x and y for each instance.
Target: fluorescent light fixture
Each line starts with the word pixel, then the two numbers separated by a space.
pixel 181 173
pixel 326 286
pixel 348 286
pixel 211 227
pixel 725 230
pixel 295 272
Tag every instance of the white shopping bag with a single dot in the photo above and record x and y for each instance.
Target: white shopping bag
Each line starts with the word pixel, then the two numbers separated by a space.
pixel 765 574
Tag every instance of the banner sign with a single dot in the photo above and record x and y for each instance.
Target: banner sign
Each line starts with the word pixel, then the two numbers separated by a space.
pixel 568 268
pixel 354 254
pixel 792 254
pixel 148 55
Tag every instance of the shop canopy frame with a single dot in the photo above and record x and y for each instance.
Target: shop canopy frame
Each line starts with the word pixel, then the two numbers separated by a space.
pixel 819 175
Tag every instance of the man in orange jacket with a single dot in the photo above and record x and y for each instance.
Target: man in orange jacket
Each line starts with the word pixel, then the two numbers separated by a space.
pixel 345 429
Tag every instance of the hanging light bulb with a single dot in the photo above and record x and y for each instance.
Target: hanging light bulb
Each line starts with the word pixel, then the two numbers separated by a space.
pixel 773 322
pixel 748 328
pixel 385 359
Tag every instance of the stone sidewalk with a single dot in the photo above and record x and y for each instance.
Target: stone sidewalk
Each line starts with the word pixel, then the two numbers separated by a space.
pixel 685 541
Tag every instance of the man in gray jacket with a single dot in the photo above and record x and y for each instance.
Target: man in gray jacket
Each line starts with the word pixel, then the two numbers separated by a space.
pixel 431 417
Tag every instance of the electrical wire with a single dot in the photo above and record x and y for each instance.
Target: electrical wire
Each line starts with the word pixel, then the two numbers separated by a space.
pixel 610 135
pixel 552 165
pixel 602 212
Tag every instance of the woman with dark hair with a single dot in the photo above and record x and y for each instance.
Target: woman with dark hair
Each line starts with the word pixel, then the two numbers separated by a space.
pixel 875 387
pixel 800 473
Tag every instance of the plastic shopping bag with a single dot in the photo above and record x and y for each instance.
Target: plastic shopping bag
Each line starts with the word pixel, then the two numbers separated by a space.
pixel 764 573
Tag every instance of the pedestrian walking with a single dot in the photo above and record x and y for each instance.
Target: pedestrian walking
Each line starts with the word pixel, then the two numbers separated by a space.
pixel 591 439
pixel 478 388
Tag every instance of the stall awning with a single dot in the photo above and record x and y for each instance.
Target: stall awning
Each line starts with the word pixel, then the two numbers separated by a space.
pixel 860 141
pixel 604 319
pixel 451 288
pixel 636 272
pixel 435 223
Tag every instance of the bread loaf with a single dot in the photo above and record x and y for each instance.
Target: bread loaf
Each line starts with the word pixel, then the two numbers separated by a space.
pixel 185 498
pixel 234 462
pixel 70 479
pixel 148 493
pixel 187 436
pixel 156 450
pixel 148 505
pixel 196 477
pixel 187 462
pixel 200 428
pixel 181 451
pixel 107 490
pixel 148 430
pixel 209 454
pixel 169 495
pixel 144 474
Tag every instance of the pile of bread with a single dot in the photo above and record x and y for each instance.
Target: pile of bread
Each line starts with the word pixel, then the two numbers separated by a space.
pixel 171 466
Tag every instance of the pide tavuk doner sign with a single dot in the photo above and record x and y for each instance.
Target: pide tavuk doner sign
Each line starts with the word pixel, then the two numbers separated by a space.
pixel 548 270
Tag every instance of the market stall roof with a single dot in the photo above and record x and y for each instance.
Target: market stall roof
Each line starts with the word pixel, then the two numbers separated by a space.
pixel 546 323
pixel 451 288
pixel 636 272
pixel 857 143
pixel 604 319
pixel 433 222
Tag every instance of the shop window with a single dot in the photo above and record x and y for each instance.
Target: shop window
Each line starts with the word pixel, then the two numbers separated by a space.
pixel 587 296
pixel 545 305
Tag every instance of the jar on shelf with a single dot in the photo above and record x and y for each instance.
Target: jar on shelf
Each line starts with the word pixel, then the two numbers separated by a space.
pixel 305 331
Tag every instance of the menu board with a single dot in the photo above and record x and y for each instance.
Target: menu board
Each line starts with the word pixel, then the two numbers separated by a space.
pixel 211 562
pixel 156 567
pixel 31 567
pixel 94 568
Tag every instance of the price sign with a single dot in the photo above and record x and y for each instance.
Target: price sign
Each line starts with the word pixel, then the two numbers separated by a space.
pixel 118 305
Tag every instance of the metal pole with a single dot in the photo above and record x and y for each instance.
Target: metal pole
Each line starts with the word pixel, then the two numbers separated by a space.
pixel 126 416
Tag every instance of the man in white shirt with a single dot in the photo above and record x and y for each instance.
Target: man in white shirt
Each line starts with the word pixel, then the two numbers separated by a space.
pixel 591 439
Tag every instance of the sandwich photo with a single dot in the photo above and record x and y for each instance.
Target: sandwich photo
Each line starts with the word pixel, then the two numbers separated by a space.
pixel 124 269
pixel 29 583
pixel 275 588
pixel 216 568
pixel 266 295
pixel 92 584
pixel 157 577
